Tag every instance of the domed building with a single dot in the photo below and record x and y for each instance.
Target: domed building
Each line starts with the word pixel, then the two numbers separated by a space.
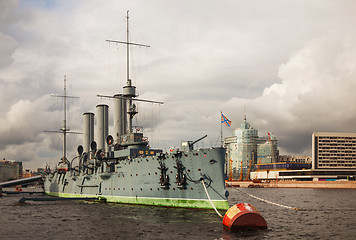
pixel 245 149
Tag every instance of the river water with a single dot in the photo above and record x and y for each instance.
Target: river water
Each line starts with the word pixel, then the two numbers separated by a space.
pixel 325 214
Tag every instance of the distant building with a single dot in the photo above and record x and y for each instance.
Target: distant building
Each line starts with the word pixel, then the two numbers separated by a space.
pixel 245 149
pixel 20 168
pixel 333 150
pixel 333 159
pixel 294 159
pixel 27 173
pixel 267 150
pixel 9 170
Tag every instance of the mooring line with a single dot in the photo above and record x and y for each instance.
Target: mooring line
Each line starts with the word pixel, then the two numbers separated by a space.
pixel 207 194
pixel 273 203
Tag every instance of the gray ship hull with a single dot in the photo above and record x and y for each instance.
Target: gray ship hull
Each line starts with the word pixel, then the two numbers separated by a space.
pixel 138 180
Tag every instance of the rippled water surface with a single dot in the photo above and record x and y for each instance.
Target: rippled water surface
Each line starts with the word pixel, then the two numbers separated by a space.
pixel 326 214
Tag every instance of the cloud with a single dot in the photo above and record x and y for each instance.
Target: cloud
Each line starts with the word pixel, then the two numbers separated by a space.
pixel 315 94
pixel 292 65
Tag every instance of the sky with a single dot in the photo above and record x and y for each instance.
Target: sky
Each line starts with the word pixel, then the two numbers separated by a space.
pixel 290 66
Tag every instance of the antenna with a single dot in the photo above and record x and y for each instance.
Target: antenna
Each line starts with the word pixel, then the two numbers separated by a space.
pixel 64 130
pixel 245 113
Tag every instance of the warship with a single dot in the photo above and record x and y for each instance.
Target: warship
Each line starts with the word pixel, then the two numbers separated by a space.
pixel 123 168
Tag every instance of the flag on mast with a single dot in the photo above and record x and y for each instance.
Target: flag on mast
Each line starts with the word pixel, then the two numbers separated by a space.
pixel 225 121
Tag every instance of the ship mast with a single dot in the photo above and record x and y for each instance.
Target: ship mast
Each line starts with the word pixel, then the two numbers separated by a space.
pixel 128 43
pixel 129 91
pixel 64 130
pixel 127 47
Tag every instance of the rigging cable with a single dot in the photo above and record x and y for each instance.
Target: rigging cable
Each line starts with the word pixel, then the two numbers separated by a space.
pixel 273 203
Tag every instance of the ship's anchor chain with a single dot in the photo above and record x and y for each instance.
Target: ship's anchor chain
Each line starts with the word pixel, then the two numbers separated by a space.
pixel 163 178
pixel 181 178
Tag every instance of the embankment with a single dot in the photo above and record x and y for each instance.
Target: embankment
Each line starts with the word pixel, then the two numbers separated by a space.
pixel 294 184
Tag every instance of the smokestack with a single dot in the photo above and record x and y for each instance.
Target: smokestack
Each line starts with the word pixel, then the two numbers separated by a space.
pixel 102 125
pixel 88 130
pixel 120 117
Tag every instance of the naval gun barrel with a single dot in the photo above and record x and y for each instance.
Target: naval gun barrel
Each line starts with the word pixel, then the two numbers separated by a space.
pixel 194 142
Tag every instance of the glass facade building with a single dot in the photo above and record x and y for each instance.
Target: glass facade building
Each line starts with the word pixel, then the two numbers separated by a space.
pixel 245 149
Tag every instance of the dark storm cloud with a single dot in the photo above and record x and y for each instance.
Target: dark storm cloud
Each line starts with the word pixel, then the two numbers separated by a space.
pixel 291 63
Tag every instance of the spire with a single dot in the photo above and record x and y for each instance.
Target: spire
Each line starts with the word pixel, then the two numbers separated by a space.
pixel 244 113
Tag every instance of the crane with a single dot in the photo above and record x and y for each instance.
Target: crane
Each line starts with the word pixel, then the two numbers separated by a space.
pixel 241 173
pixel 230 170
pixel 258 168
pixel 248 172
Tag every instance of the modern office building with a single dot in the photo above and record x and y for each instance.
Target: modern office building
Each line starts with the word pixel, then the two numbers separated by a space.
pixel 245 149
pixel 333 158
pixel 333 150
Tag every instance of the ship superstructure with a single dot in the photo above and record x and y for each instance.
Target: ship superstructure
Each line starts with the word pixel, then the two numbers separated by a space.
pixel 123 168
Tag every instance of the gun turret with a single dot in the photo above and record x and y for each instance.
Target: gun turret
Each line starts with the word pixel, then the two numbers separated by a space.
pixel 188 145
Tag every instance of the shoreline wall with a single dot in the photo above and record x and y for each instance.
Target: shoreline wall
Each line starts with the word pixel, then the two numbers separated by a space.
pixel 295 184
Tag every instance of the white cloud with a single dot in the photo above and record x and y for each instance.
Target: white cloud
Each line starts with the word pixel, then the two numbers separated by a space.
pixel 291 63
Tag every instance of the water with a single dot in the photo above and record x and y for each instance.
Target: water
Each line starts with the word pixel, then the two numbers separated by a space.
pixel 326 214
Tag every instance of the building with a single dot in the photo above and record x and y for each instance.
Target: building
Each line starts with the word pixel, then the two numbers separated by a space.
pixel 245 149
pixel 9 170
pixel 267 151
pixel 294 159
pixel 20 169
pixel 333 150
pixel 333 159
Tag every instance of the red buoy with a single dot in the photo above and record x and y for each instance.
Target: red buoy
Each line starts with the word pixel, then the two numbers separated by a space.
pixel 243 216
